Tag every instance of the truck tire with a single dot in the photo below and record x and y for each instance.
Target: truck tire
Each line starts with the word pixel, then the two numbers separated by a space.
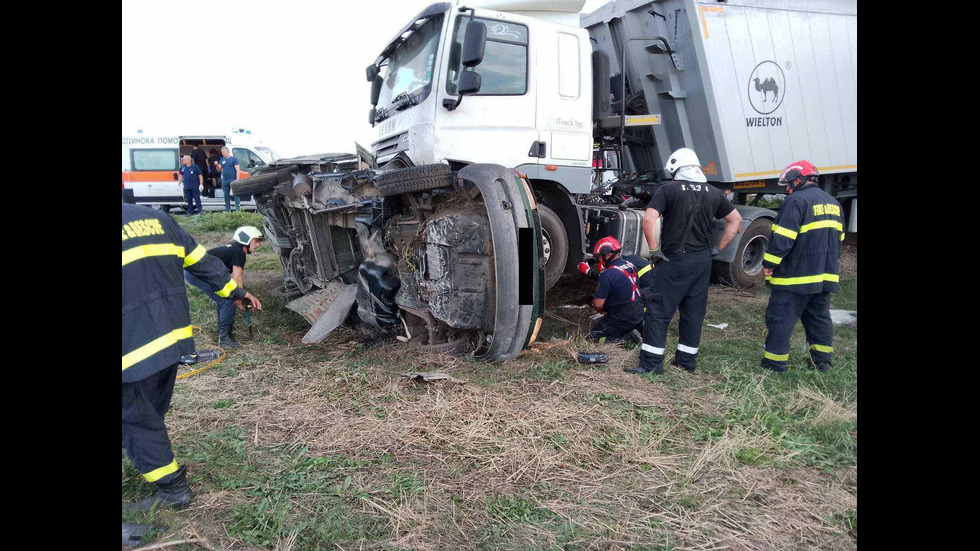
pixel 555 245
pixel 262 183
pixel 414 179
pixel 746 269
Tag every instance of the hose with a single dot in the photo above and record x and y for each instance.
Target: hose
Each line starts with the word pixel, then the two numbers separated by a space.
pixel 197 331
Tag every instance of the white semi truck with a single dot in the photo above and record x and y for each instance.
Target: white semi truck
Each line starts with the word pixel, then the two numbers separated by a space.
pixel 514 134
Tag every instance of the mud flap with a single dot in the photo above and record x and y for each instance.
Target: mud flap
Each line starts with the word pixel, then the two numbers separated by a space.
pixel 510 209
pixel 325 309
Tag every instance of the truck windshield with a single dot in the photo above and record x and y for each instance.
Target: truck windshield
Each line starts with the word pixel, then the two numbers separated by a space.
pixel 408 74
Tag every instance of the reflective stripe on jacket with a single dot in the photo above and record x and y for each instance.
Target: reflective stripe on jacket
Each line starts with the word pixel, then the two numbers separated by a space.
pixel 804 249
pixel 156 321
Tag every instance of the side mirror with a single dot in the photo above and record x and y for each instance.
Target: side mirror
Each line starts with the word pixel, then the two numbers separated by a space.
pixel 376 89
pixel 469 83
pixel 474 43
pixel 372 72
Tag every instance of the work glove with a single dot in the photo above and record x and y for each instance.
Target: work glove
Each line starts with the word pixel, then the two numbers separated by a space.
pixel 656 255
pixel 715 251
pixel 583 268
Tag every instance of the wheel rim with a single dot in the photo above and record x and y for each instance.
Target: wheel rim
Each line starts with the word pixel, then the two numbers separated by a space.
pixel 546 244
pixel 752 255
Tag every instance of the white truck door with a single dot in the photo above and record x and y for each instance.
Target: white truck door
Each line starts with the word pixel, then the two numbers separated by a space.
pixel 497 125
pixel 564 110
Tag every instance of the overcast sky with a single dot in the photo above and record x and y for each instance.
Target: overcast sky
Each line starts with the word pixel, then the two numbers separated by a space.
pixel 291 71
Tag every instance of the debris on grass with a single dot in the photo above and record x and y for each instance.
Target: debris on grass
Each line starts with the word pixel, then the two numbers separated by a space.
pixel 428 377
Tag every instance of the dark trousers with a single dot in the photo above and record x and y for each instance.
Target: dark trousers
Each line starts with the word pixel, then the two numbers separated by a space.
pixel 226 188
pixel 192 195
pixel 226 307
pixel 210 183
pixel 681 282
pixel 144 435
pixel 784 309
pixel 612 330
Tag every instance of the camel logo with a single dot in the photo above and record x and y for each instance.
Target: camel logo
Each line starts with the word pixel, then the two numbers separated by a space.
pixel 767 84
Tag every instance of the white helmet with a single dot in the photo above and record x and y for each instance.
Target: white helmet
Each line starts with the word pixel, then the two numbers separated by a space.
pixel 245 234
pixel 679 158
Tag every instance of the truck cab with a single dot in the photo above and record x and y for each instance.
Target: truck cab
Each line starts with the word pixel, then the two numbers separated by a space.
pixel 570 100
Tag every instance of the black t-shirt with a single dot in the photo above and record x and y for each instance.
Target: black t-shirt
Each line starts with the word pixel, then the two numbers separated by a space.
pixel 199 157
pixel 677 202
pixel 231 255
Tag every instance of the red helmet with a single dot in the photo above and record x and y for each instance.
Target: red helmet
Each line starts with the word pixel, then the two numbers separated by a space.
pixel 800 169
pixel 607 245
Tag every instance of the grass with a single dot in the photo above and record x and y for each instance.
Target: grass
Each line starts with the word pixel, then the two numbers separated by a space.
pixel 228 222
pixel 326 446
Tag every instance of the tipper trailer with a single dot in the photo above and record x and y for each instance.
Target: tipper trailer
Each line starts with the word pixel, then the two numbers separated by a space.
pixel 511 138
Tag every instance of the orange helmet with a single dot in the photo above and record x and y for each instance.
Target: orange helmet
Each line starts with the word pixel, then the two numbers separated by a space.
pixel 607 245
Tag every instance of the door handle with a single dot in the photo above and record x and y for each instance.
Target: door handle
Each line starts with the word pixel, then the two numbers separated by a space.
pixel 175 176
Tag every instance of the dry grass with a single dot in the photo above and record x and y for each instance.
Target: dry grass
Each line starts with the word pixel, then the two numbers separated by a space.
pixel 611 477
pixel 823 408
pixel 538 452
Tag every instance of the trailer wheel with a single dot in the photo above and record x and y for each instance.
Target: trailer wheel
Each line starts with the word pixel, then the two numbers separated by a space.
pixel 746 269
pixel 414 179
pixel 262 183
pixel 555 242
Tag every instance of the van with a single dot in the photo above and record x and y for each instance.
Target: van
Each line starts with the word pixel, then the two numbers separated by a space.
pixel 151 164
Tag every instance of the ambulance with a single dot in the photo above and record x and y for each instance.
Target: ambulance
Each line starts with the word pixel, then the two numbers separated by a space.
pixel 151 164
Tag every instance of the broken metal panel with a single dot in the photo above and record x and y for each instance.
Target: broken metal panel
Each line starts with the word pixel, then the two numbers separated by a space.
pixel 313 305
pixel 335 314
pixel 457 271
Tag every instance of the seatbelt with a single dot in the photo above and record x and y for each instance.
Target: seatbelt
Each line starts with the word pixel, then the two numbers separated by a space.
pixel 632 277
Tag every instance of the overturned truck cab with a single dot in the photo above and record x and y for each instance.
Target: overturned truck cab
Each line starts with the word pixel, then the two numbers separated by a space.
pixel 450 259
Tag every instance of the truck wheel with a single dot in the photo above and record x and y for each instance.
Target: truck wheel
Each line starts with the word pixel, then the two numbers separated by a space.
pixel 262 183
pixel 746 269
pixel 414 179
pixel 555 243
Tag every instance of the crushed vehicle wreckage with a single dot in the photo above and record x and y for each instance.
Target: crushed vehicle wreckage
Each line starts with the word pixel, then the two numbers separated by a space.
pixel 450 257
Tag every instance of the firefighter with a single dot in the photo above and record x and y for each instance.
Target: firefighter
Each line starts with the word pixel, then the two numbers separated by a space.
pixel 682 265
pixel 800 265
pixel 156 332
pixel 618 296
pixel 644 274
pixel 244 242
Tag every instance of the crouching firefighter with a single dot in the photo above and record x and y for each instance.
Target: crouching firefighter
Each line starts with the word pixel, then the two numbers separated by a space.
pixel 618 297
pixel 801 265
pixel 244 242
pixel 689 206
pixel 156 332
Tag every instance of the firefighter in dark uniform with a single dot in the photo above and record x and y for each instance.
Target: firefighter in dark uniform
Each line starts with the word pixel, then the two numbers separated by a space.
pixel 801 266
pixel 156 332
pixel 682 265
pixel 618 297
pixel 644 270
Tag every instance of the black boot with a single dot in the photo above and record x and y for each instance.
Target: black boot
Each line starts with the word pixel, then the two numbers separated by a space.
pixel 684 367
pixel 225 340
pixel 175 494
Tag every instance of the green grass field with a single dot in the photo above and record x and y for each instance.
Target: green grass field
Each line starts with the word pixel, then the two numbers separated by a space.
pixel 328 447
